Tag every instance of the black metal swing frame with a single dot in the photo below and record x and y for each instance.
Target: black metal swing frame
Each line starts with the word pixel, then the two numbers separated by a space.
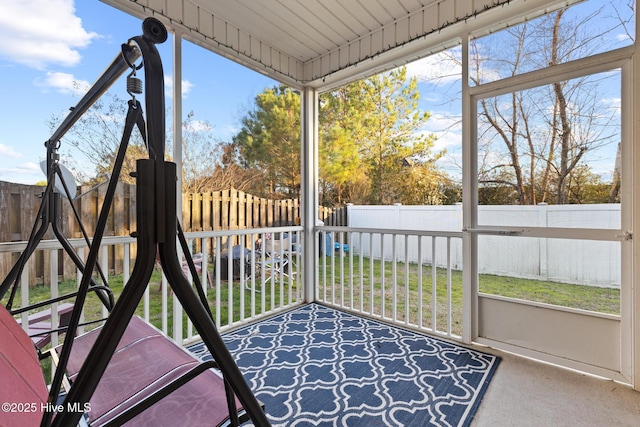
pixel 158 230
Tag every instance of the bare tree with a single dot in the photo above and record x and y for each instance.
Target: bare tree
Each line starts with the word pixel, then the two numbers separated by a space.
pixel 98 133
pixel 97 136
pixel 544 132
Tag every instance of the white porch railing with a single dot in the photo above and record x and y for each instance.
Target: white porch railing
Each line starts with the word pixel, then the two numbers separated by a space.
pixel 260 280
pixel 366 274
pixel 372 272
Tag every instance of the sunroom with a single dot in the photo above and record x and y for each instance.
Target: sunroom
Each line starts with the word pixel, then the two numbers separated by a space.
pixel 435 270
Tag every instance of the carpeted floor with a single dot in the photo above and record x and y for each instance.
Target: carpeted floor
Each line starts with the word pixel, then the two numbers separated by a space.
pixel 316 366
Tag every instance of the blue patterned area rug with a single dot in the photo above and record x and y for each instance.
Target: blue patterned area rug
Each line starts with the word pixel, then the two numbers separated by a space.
pixel 316 366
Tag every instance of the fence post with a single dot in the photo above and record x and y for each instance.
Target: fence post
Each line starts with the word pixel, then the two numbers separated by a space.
pixel 543 242
pixel 269 213
pixel 233 213
pixel 216 199
pixel 242 205
pixel 28 209
pixel 196 212
pixel 251 210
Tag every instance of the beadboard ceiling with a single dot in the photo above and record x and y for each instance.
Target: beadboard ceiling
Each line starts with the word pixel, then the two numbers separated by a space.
pixel 324 43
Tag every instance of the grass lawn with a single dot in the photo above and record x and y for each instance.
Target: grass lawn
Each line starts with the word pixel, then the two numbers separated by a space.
pixel 265 298
pixel 335 286
pixel 374 293
pixel 366 293
pixel 269 297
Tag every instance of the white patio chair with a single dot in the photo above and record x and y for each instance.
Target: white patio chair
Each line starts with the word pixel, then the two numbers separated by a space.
pixel 274 259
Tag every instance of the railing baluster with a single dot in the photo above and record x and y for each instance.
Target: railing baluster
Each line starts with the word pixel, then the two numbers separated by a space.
pixel 420 297
pixel 205 266
pixel 351 293
pixel 434 286
pixel 361 270
pixel 126 263
pixel 280 279
pixel 323 253
pixel 449 320
pixel 145 304
pixel 273 274
pixel 229 281
pixel 333 270
pixel 263 290
pixel 80 252
pixel 301 265
pixel 53 289
pixel 406 280
pixel 241 286
pixel 341 254
pixel 382 272
pixel 177 319
pixel 145 301
pixel 218 279
pixel 165 303
pixel 104 264
pixel 24 292
pixel 251 274
pixel 394 277
pixel 371 275
pixel 188 274
pixel 291 274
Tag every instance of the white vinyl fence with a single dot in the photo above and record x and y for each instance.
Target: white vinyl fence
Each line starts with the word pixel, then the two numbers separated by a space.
pixel 587 262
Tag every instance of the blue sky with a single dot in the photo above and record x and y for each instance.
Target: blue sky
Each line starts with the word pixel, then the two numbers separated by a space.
pixel 47 45
pixel 49 48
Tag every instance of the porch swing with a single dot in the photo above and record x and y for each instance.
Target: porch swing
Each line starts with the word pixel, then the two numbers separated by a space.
pixel 126 370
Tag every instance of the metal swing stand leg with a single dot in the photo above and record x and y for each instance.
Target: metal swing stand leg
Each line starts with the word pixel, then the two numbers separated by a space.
pixel 49 215
pixel 99 356
pixel 157 231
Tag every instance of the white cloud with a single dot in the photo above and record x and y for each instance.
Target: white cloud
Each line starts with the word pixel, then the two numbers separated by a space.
pixel 186 87
pixel 443 67
pixel 64 83
pixel 623 37
pixel 447 129
pixel 37 33
pixel 23 169
pixel 448 140
pixel 168 87
pixel 6 151
pixel 25 173
pixel 198 126
pixel 612 104
pixel 442 121
pixel 231 129
pixel 451 163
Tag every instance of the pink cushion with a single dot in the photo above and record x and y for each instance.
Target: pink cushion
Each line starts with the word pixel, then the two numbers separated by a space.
pixel 145 360
pixel 23 386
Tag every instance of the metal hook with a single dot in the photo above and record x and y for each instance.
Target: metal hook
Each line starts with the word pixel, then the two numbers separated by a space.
pixel 126 59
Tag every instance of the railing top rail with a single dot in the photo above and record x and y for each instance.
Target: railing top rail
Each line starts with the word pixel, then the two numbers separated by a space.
pixel 241 232
pixel 118 240
pixel 55 244
pixel 430 233
pixel 115 240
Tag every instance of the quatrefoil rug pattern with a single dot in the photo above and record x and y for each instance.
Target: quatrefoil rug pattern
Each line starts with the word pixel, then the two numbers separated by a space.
pixel 317 366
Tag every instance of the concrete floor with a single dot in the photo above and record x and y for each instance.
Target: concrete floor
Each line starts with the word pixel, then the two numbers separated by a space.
pixel 524 393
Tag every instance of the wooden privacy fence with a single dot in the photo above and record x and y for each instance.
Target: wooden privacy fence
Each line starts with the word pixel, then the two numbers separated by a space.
pixel 236 210
pixel 218 210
